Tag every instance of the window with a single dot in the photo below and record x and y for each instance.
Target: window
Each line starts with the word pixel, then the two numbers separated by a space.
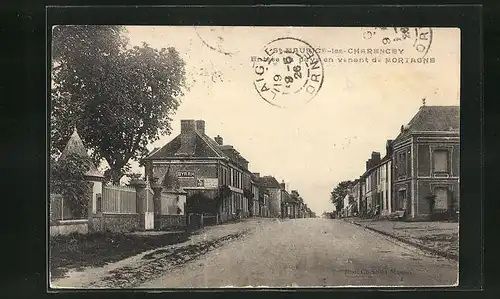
pixel 402 165
pixel 440 158
pixel 441 202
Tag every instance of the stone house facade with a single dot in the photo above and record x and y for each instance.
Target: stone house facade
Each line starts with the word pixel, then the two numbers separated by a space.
pixel 426 162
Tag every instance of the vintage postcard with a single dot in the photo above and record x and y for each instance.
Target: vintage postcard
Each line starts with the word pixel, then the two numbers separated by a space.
pixel 259 157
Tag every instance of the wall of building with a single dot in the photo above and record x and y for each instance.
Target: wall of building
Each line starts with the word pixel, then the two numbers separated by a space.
pixel 401 162
pixel 383 187
pixel 426 186
pixel 274 202
pixel 398 204
pixel 188 172
pixel 427 180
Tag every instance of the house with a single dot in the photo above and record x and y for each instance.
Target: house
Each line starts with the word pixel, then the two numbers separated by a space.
pixel 204 167
pixel 264 202
pixel 297 204
pixel 355 193
pixel 255 193
pixel 370 195
pixel 289 205
pixel 376 186
pixel 270 186
pixel 425 162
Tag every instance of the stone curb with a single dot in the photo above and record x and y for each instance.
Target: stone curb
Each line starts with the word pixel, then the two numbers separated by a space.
pixel 406 241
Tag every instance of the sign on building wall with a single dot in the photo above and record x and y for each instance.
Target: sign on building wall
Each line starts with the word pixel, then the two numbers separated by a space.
pixel 208 182
pixel 185 174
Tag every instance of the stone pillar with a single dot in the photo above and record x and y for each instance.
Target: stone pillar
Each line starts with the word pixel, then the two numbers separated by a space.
pixel 90 198
pixel 140 188
pixel 157 189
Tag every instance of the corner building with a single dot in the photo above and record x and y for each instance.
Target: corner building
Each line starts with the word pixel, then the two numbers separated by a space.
pixel 203 165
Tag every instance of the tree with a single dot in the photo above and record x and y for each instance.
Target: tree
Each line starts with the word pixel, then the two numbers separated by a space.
pixel 338 194
pixel 68 179
pixel 120 98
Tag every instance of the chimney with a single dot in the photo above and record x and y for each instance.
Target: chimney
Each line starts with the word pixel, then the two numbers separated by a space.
pixel 257 174
pixel 283 185
pixel 188 125
pixel 200 126
pixel 402 128
pixel 388 147
pixel 375 158
pixel 219 140
pixel 368 164
pixel 188 140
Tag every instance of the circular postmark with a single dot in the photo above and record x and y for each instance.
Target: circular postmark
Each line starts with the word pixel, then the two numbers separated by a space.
pixel 419 37
pixel 220 39
pixel 289 72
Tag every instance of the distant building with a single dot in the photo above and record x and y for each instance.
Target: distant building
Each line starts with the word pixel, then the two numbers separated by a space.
pixel 272 188
pixel 256 207
pixel 426 162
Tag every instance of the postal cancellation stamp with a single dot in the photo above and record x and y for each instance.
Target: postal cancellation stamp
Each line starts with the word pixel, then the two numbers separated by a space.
pixel 289 72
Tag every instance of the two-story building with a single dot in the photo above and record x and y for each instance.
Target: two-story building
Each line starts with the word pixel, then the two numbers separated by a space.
pixel 203 165
pixel 375 184
pixel 256 205
pixel 370 183
pixel 426 159
pixel 272 188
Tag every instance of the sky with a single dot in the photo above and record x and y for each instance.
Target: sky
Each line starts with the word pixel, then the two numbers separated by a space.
pixel 311 146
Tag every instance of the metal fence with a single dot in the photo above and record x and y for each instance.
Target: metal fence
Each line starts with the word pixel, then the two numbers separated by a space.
pixel 119 199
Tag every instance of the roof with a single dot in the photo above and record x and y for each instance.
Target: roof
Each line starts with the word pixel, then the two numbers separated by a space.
pixel 433 118
pixel 267 182
pixel 288 198
pixel 75 146
pixel 196 144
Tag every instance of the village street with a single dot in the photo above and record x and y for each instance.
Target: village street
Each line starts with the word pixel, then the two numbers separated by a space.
pixel 310 252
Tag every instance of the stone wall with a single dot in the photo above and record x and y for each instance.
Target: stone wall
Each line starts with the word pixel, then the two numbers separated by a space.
pixel 66 227
pixel 171 221
pixel 114 222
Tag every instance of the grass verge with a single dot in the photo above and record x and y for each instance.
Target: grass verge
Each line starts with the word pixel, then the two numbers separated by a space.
pixel 97 249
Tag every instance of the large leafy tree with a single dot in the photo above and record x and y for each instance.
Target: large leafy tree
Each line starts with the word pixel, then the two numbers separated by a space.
pixel 120 98
pixel 339 192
